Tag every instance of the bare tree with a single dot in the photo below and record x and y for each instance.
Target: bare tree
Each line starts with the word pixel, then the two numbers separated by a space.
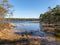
pixel 5 9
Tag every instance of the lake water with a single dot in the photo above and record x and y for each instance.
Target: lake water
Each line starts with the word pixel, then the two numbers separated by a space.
pixel 33 26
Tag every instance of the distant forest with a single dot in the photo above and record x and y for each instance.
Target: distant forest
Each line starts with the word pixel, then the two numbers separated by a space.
pixel 25 19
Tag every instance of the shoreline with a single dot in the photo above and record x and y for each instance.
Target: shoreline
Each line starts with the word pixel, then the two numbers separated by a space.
pixel 12 37
pixel 51 28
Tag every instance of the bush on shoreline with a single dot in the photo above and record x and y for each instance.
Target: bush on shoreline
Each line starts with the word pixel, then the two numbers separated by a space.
pixel 52 16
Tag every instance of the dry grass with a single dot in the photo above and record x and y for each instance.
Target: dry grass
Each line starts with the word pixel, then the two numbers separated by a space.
pixel 5 26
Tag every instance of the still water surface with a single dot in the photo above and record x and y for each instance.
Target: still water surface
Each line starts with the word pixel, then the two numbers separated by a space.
pixel 30 26
pixel 35 27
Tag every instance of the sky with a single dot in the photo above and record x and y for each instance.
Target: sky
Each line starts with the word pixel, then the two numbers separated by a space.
pixel 31 8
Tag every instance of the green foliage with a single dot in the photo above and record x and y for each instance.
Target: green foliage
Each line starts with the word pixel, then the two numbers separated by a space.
pixel 52 16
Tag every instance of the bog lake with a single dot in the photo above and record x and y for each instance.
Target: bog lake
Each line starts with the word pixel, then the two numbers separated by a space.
pixel 29 26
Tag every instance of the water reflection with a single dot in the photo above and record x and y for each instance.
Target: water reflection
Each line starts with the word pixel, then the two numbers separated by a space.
pixel 36 29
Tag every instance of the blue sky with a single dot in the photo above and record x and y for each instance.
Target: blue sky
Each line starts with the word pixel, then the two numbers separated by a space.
pixel 31 8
